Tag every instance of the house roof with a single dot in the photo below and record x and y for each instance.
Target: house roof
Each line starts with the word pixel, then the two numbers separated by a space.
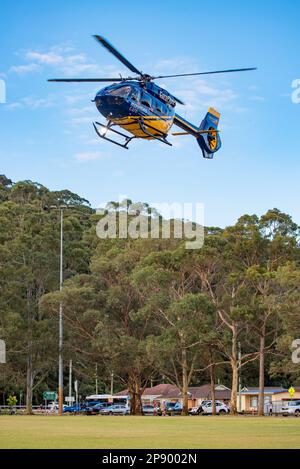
pixel 170 391
pixel 161 390
pixel 267 390
pixel 204 392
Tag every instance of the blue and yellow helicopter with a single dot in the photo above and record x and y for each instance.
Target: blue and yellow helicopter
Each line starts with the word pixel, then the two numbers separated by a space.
pixel 145 110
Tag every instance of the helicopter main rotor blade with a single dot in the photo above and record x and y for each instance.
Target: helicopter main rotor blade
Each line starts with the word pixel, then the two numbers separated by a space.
pixel 86 80
pixel 205 73
pixel 117 54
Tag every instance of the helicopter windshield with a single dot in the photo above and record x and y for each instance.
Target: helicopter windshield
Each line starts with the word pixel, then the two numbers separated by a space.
pixel 122 91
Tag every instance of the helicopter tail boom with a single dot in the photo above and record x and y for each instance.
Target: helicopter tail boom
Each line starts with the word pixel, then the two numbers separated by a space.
pixel 207 134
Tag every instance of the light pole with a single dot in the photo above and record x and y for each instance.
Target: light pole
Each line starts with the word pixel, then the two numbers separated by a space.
pixel 61 324
pixel 61 208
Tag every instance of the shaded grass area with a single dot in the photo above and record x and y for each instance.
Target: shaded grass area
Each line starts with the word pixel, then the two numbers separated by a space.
pixel 70 432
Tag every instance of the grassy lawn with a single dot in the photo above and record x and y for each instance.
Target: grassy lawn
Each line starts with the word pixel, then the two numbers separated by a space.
pixel 148 432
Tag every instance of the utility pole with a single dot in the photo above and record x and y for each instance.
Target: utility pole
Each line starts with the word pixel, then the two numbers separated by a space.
pixel 76 390
pixel 96 378
pixel 240 376
pixel 112 384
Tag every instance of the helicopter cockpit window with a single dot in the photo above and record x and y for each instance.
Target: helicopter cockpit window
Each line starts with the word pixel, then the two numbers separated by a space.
pixel 123 91
pixel 135 95
pixel 146 101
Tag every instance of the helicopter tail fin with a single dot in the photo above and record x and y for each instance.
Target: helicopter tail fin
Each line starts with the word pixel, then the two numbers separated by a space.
pixel 209 141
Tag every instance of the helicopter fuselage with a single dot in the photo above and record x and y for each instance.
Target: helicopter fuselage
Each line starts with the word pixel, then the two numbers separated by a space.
pixel 129 102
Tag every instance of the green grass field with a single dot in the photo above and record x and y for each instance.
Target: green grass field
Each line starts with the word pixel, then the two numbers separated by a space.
pixel 148 432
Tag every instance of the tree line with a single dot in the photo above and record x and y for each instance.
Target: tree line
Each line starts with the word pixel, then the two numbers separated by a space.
pixel 145 310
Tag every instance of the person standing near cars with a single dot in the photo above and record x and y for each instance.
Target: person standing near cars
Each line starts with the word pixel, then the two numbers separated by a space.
pixel 163 408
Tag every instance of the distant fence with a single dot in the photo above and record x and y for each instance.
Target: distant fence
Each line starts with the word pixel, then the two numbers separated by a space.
pixel 277 407
pixel 274 408
pixel 21 409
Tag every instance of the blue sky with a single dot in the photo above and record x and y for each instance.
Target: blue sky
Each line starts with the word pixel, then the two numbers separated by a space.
pixel 46 129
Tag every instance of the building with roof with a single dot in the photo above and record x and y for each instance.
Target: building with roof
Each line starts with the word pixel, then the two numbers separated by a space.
pixel 275 395
pixel 249 397
pixel 171 393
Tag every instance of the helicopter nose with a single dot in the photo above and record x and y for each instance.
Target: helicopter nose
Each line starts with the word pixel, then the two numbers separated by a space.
pixel 107 103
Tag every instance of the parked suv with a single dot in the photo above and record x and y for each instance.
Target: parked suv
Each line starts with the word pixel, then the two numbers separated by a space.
pixel 150 409
pixel 197 410
pixel 221 408
pixel 115 409
pixel 173 408
pixel 96 408
pixel 291 408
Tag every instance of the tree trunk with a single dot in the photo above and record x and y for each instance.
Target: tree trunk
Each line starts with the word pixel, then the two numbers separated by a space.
pixel 261 396
pixel 234 368
pixel 185 397
pixel 213 388
pixel 134 387
pixel 29 381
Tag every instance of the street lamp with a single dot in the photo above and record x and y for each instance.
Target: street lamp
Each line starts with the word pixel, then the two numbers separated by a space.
pixel 61 208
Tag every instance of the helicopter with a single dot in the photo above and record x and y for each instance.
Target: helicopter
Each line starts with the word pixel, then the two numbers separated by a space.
pixel 144 110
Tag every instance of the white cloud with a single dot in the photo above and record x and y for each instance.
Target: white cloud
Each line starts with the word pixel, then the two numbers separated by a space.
pixel 63 59
pixel 32 102
pixel 89 156
pixel 197 92
pixel 76 98
pixel 257 98
pixel 80 111
pixel 13 106
pixel 82 115
pixel 49 58
pixel 23 69
pixel 82 120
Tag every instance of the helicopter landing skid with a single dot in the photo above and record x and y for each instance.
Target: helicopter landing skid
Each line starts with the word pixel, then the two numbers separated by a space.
pixel 105 128
pixel 127 138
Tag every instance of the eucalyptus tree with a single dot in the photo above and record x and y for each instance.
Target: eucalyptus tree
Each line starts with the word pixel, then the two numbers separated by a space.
pixel 30 268
pixel 184 318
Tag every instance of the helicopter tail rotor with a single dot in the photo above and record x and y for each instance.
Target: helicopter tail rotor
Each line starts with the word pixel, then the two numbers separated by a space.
pixel 209 139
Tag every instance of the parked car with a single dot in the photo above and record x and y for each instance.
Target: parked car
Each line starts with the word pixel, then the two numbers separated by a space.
pixel 291 408
pixel 91 403
pixel 173 408
pixel 221 408
pixel 197 410
pixel 53 407
pixel 150 409
pixel 115 409
pixel 93 409
pixel 96 408
pixel 72 409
